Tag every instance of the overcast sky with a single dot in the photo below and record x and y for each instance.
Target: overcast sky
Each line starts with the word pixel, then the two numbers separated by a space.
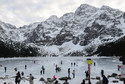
pixel 24 12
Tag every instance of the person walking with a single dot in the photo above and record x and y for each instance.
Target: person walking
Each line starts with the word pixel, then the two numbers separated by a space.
pixel 73 73
pixel 31 78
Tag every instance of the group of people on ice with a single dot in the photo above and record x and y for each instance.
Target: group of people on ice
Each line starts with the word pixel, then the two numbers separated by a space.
pixel 31 78
pixel 18 77
pixel 58 69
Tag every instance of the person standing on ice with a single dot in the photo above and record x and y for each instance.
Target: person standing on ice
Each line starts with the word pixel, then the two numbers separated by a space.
pixel 5 68
pixel 102 73
pixel 4 83
pixel 87 74
pixel 56 68
pixel 41 72
pixel 71 64
pixel 25 67
pixel 56 82
pixel 34 61
pixel 68 72
pixel 61 62
pixel 56 65
pixel 66 82
pixel 17 78
pixel 73 73
pixel 105 80
pixel 83 82
pixel 22 73
pixel 119 67
pixel 43 69
pixel 74 63
pixel 94 64
pixel 31 78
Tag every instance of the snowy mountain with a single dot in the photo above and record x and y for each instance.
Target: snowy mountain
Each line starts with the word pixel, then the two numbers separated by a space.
pixel 74 34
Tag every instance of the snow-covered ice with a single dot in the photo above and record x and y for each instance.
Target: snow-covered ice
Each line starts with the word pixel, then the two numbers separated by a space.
pixel 109 65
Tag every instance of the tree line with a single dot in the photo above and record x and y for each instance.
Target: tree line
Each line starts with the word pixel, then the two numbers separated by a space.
pixel 116 48
pixel 16 49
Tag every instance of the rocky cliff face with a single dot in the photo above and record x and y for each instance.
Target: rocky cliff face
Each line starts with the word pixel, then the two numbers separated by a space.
pixel 78 33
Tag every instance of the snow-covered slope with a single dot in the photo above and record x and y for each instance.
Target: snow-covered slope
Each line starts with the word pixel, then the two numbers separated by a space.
pixel 75 33
pixel 7 31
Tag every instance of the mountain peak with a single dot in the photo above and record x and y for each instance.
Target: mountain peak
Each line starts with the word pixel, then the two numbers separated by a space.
pixel 53 17
pixel 85 8
pixel 104 7
pixel 85 5
pixel 113 11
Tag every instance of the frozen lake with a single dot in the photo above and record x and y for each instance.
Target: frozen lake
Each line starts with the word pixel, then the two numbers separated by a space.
pixel 109 65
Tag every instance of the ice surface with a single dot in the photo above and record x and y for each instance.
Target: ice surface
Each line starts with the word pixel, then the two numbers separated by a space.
pixel 109 65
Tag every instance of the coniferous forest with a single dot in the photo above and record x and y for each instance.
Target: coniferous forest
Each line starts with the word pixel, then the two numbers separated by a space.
pixel 112 49
pixel 16 49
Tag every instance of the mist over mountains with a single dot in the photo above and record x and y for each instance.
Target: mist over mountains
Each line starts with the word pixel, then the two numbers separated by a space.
pixel 78 33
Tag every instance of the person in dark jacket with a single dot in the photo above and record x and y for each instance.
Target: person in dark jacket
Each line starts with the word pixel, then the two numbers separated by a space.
pixel 5 68
pixel 105 80
pixel 87 74
pixel 25 66
pixel 66 82
pixel 22 73
pixel 74 63
pixel 4 83
pixel 41 72
pixel 83 82
pixel 56 82
pixel 68 72
pixel 102 73
pixel 18 78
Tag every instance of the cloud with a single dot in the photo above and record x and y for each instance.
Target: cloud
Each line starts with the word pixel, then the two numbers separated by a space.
pixel 117 4
pixel 24 12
